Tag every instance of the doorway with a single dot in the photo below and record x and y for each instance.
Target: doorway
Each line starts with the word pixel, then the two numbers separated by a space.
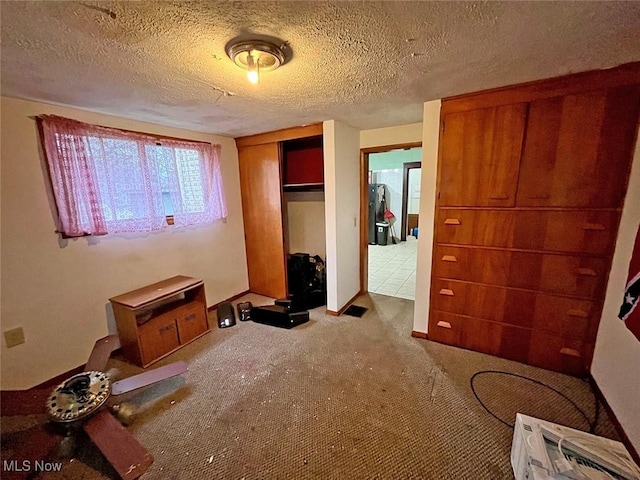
pixel 389 199
pixel 410 199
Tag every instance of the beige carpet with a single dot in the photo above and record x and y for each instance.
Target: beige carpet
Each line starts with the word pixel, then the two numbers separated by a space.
pixel 336 398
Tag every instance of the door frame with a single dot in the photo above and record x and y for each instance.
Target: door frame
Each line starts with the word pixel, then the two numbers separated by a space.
pixel 405 196
pixel 364 204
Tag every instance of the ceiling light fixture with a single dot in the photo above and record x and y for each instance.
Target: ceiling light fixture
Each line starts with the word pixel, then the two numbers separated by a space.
pixel 256 56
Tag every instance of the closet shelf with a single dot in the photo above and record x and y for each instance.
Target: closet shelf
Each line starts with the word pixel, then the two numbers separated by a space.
pixel 303 187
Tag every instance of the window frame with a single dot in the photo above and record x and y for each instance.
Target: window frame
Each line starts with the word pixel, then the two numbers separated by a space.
pixel 169 218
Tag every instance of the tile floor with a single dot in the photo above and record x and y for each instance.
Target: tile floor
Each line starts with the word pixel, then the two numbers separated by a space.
pixel 392 269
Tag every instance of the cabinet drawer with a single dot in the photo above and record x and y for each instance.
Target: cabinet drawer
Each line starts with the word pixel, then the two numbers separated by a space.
pixel 192 321
pixel 502 340
pixel 590 232
pixel 158 337
pixel 563 274
pixel 486 302
pixel 562 354
pixel 553 314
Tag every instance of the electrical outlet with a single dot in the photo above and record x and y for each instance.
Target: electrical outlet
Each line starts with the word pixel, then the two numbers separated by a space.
pixel 14 337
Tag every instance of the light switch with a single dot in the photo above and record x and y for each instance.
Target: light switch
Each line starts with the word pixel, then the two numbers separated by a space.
pixel 14 337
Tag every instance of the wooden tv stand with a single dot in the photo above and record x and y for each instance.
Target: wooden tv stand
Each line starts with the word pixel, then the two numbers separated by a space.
pixel 158 319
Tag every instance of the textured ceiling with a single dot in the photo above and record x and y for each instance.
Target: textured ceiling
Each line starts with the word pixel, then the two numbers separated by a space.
pixel 368 64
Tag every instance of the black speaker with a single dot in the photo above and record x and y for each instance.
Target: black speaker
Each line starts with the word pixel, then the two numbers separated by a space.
pixel 244 311
pixel 226 316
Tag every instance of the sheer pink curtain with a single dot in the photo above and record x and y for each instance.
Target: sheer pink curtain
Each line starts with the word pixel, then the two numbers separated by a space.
pixel 73 177
pixel 110 181
pixel 197 194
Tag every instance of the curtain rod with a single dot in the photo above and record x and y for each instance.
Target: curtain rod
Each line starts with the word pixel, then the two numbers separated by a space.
pixel 125 130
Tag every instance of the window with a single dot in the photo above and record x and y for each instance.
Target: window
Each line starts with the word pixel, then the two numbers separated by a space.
pixel 112 181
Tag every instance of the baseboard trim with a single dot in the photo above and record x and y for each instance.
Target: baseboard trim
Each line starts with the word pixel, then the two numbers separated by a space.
pixel 419 334
pixel 58 379
pixel 230 299
pixel 346 305
pixel 618 426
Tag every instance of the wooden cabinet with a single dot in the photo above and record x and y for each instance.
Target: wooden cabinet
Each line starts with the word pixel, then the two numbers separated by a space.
pixel 531 182
pixel 262 175
pixel 303 164
pixel 156 320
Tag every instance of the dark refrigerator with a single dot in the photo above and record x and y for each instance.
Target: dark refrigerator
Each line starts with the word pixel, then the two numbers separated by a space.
pixel 376 209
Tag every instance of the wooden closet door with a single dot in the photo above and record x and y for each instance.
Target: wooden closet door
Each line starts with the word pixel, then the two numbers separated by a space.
pixel 261 187
pixel 480 156
pixel 578 149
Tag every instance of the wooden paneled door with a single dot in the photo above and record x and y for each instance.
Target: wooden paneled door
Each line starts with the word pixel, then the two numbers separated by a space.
pixel 260 181
pixel 480 156
pixel 578 149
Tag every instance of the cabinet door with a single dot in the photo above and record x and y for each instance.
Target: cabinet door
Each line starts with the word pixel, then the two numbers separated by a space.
pixel 158 337
pixel 261 187
pixel 578 149
pixel 192 321
pixel 480 156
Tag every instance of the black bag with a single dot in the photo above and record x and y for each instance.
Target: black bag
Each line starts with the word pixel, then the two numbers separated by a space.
pixel 226 316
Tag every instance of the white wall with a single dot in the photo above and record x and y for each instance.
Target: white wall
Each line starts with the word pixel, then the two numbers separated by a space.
pixel 58 290
pixel 378 137
pixel 415 180
pixel 616 362
pixel 430 131
pixel 306 223
pixel 342 212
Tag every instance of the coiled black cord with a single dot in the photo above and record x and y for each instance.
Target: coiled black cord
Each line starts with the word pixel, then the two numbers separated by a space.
pixel 592 424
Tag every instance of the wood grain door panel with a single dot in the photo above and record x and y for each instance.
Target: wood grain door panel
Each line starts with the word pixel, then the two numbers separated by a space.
pixel 578 149
pixel 561 274
pixel 591 232
pixel 260 183
pixel 480 156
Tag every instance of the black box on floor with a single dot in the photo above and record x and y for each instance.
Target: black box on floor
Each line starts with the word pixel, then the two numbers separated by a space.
pixel 244 311
pixel 309 300
pixel 287 303
pixel 226 316
pixel 278 316
pixel 303 301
